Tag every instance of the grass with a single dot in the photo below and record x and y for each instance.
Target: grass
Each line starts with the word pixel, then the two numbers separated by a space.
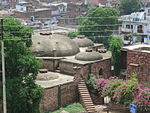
pixel 72 108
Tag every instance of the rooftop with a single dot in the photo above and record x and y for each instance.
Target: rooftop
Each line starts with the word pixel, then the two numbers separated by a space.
pixel 61 79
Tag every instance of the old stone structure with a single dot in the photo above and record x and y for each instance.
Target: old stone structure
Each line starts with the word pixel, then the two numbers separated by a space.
pixel 136 60
pixel 67 61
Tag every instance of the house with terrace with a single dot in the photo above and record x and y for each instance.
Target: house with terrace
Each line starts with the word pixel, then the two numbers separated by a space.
pixel 136 27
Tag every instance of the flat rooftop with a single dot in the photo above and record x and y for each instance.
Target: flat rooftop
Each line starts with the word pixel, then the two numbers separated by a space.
pixel 142 48
pixel 133 47
pixel 61 79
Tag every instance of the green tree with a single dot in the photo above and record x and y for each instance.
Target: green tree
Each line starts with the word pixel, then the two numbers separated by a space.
pixel 115 47
pixel 99 24
pixel 129 6
pixel 23 95
pixel 72 34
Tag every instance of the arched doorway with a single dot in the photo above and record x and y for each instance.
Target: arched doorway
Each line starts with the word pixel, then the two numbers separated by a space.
pixel 101 73
pixel 140 29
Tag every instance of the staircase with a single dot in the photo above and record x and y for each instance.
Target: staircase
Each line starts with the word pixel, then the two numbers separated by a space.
pixel 85 97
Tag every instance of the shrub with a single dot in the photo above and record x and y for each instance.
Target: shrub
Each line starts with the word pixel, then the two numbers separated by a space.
pixel 72 34
pixel 142 98
pixel 92 84
pixel 125 92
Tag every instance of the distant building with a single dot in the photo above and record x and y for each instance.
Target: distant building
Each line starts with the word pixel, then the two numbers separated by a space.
pixel 138 24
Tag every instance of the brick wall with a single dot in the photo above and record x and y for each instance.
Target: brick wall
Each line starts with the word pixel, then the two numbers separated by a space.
pixel 59 96
pixel 139 62
pixel 66 68
pixel 104 65
pixel 83 71
pixel 37 14
pixel 69 93
pixel 49 64
pixel 50 99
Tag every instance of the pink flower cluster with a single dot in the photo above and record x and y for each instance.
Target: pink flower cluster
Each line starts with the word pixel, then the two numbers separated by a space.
pixel 142 97
pixel 125 92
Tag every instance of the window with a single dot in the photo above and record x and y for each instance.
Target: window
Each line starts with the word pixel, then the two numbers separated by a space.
pixel 140 29
pixel 128 26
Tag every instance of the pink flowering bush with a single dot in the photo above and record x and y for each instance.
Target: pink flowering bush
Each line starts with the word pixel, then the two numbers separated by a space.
pixel 107 86
pixel 125 92
pixel 142 98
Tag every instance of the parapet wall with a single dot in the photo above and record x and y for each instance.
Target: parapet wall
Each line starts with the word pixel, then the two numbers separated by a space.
pixel 139 62
pixel 59 96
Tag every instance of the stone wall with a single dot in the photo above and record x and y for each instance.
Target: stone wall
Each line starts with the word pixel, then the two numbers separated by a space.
pixel 50 64
pixel 50 99
pixel 139 62
pixel 104 66
pixel 38 14
pixel 66 67
pixel 82 71
pixel 58 96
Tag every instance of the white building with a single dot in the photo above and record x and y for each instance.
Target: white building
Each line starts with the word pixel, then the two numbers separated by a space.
pixel 137 23
pixel 23 6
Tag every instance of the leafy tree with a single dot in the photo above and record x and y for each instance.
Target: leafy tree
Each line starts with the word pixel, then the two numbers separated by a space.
pixel 72 34
pixel 129 6
pixel 115 47
pixel 98 24
pixel 23 95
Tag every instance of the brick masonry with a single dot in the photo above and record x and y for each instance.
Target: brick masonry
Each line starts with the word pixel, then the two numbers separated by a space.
pixel 104 65
pixel 94 68
pixel 59 96
pixel 139 62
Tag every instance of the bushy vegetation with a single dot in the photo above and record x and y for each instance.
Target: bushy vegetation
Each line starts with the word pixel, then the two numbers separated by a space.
pixel 72 34
pixel 91 84
pixel 99 24
pixel 115 47
pixel 23 95
pixel 129 6
pixel 125 92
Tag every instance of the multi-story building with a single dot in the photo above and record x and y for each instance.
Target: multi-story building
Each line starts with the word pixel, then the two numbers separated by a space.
pixel 138 25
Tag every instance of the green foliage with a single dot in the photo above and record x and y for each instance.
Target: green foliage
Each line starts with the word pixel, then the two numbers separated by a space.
pixel 123 94
pixel 115 47
pixel 13 28
pixel 72 108
pixel 129 6
pixel 91 84
pixel 23 95
pixel 1 7
pixel 98 24
pixel 72 34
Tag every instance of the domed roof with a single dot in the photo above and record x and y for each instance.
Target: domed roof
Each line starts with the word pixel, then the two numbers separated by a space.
pixel 89 56
pixel 53 46
pixel 82 41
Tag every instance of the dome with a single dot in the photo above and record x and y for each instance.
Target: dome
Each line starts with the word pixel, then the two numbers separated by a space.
pixel 82 41
pixel 89 56
pixel 53 45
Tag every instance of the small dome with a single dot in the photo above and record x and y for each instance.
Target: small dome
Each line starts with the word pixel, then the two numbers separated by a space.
pixel 82 41
pixel 89 56
pixel 53 46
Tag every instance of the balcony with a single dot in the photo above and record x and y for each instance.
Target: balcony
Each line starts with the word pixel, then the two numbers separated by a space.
pixel 126 30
